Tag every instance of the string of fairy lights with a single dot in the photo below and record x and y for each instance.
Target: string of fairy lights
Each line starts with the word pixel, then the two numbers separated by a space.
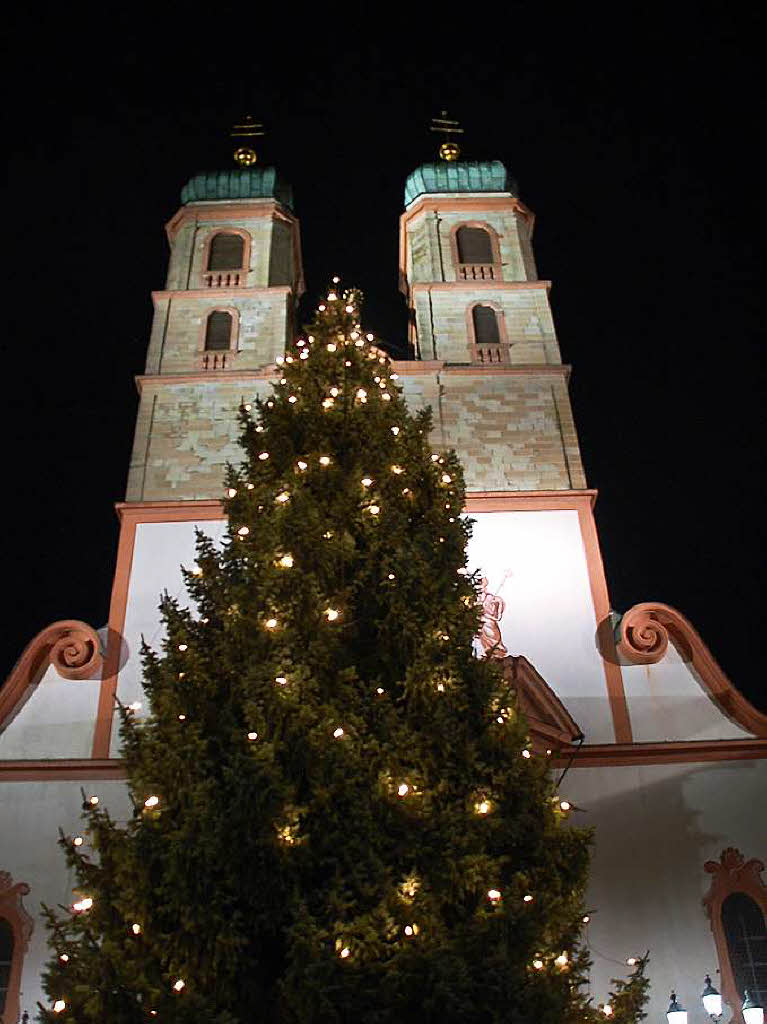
pixel 288 830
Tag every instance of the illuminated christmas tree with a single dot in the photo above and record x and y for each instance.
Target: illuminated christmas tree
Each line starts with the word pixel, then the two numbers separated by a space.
pixel 338 813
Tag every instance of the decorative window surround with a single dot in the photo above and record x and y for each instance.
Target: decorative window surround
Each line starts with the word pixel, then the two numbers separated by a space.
pixel 12 910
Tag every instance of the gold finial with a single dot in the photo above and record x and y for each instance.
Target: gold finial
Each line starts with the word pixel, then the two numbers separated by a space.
pixel 245 155
pixel 449 150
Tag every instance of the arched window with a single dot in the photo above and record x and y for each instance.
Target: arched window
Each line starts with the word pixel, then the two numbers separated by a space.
pixel 474 245
pixel 218 331
pixel 746 933
pixel 226 252
pixel 6 959
pixel 486 330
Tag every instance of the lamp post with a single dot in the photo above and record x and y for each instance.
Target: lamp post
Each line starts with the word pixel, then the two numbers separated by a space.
pixel 712 1001
pixel 676 1013
pixel 753 1011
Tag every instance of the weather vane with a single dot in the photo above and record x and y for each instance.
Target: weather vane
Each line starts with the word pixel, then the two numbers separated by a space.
pixel 248 129
pixel 449 150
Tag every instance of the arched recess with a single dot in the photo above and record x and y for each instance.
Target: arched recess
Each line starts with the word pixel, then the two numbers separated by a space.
pixel 488 337
pixel 14 939
pixel 72 647
pixel 476 251
pixel 732 875
pixel 226 258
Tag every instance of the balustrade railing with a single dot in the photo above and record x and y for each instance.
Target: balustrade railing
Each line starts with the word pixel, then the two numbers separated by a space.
pixel 491 354
pixel 479 272
pixel 221 360
pixel 223 278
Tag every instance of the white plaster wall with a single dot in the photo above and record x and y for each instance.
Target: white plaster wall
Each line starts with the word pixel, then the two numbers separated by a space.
pixel 549 616
pixel 30 818
pixel 666 702
pixel 656 826
pixel 56 721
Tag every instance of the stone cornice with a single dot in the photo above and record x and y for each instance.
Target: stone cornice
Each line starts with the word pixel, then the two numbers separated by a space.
pixel 221 293
pixel 483 286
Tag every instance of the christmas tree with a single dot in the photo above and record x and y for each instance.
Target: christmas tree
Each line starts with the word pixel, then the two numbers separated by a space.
pixel 338 815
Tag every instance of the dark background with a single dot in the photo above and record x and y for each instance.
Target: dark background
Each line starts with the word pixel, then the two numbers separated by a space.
pixel 634 135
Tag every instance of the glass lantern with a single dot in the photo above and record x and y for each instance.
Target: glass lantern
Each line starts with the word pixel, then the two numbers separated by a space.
pixel 753 1011
pixel 676 1013
pixel 712 1001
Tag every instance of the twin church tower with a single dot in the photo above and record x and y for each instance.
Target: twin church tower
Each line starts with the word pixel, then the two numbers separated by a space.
pixel 668 759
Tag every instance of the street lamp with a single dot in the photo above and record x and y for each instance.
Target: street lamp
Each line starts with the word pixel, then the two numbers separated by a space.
pixel 712 1001
pixel 676 1013
pixel 753 1011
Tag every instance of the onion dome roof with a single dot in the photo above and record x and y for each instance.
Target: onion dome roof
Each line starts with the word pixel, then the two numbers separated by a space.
pixel 458 176
pixel 238 183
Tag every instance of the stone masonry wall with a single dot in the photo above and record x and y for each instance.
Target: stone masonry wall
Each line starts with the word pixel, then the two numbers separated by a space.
pixel 441 320
pixel 511 431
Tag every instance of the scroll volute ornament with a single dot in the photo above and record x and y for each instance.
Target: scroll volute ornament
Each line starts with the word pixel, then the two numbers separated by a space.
pixel 730 874
pixel 642 637
pixel 71 646
pixel 12 909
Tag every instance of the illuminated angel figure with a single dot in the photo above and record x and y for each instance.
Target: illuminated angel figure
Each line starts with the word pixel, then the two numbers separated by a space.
pixel 493 606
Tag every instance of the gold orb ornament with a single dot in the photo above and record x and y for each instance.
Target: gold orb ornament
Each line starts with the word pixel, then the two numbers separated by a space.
pixel 449 151
pixel 245 156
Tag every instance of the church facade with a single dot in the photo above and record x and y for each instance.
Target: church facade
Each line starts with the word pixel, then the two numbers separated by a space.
pixel 656 747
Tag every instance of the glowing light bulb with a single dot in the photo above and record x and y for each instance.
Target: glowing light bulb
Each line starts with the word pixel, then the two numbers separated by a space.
pixel 304 354
pixel 332 296
pixel 394 376
pixel 301 465
pixel 83 905
pixel 183 647
pixel 347 362
pixel 374 510
pixel 135 706
pixel 526 754
pixel 561 960
pixel 607 1010
pixel 281 680
pixel 408 930
pixel 179 985
pixel 78 841
pixel 369 337
pixel 538 965
pixel 483 807
pixel 632 961
pixel 247 407
pixel 286 562
pixel 440 687
pixel 292 399
pixel 230 492
pixel 280 360
pixel 446 478
pixel 395 431
pixel 366 481
pixel 500 719
pixel 334 392
pixel 93 801
pixel 289 359
pixel 59 1006
pixel 151 802
pixel 252 736
pixel 263 456
pixel 403 789
pixel 380 690
pixel 282 497
pixel 182 718
pixel 283 380
pixel 331 614
pixel 345 952
pixel 494 895
pixel 435 458
pixel 391 576
pixel 338 733
pixel 331 346
pixel 565 805
pixel 361 393
pixel 397 470
pixel 324 460
pixel 328 403
pixel 64 958
pixel 136 929
pixel 243 531
pixel 271 623
pixel 586 919
pixel 336 280
pixel 259 429
pixel 349 309
pixel 250 486
pixel 321 307
pixel 527 899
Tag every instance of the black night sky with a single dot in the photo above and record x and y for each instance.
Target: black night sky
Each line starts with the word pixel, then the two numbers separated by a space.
pixel 633 134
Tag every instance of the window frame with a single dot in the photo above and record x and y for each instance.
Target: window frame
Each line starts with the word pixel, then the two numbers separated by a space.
pixel 13 911
pixel 243 270
pixel 503 337
pixel 732 873
pixel 495 248
pixel 234 334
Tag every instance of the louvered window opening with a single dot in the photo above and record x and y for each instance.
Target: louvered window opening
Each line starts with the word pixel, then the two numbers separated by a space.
pixel 218 332
pixel 6 959
pixel 226 252
pixel 746 933
pixel 486 330
pixel 474 246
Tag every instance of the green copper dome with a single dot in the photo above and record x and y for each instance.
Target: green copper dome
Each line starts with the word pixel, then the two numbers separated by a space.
pixel 238 183
pixel 462 176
